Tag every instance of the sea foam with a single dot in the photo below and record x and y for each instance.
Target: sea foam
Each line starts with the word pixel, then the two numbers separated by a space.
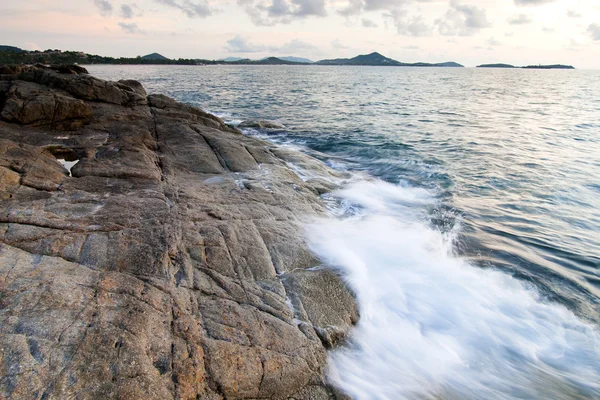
pixel 435 327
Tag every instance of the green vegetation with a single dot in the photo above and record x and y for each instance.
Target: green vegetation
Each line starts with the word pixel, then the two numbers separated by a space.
pixel 77 57
pixel 496 66
pixel 377 59
pixel 555 66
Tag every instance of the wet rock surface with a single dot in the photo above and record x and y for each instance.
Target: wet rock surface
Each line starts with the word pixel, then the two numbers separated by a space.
pixel 169 263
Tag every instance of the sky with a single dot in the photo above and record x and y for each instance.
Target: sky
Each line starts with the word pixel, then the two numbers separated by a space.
pixel 470 32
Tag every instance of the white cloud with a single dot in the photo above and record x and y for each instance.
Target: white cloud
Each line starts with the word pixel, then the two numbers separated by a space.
pixel 594 31
pixel 533 2
pixel 521 19
pixel 104 6
pixel 367 23
pixel 273 12
pixel 130 27
pixel 493 42
pixel 240 44
pixel 191 9
pixel 462 20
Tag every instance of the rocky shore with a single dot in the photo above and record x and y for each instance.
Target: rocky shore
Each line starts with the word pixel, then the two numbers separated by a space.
pixel 150 251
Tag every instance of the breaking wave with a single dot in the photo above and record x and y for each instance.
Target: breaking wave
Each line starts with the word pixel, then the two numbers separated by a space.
pixel 435 327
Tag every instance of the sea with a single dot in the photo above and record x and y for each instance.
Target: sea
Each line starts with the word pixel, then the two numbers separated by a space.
pixel 467 221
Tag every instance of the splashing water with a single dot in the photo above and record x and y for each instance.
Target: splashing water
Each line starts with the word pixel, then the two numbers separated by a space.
pixel 432 326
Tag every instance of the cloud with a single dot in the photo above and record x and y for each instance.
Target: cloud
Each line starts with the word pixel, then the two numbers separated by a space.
pixel 573 14
pixel 376 5
pixel 520 19
pixel 104 6
pixel 408 25
pixel 32 46
pixel 462 20
pixel 130 27
pixel 337 44
pixel 355 7
pixel 192 9
pixel 594 31
pixel 367 23
pixel 273 12
pixel 240 44
pixel 493 42
pixel 533 2
pixel 126 11
pixel 293 47
pixel 574 45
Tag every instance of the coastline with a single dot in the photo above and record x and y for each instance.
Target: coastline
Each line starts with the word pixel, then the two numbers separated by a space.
pixel 167 262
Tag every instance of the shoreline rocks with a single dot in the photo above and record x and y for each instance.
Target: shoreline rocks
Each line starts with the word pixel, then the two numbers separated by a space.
pixel 261 124
pixel 168 263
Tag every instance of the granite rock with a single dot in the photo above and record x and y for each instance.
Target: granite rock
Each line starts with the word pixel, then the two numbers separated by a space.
pixel 169 263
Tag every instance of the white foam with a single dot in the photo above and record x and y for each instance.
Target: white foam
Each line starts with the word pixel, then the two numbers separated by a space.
pixel 434 326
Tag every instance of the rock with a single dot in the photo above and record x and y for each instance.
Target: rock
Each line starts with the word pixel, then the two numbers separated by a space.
pixel 69 69
pixel 29 104
pixel 11 69
pixel 261 124
pixel 165 266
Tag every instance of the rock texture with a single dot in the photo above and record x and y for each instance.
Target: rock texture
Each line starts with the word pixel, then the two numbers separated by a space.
pixel 168 264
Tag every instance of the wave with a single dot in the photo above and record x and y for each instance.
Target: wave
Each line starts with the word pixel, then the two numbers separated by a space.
pixel 433 326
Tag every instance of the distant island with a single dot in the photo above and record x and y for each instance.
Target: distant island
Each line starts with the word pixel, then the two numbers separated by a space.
pixel 14 55
pixel 554 66
pixel 376 59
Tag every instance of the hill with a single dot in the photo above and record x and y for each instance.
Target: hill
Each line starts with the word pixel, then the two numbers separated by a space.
pixel 376 59
pixel 11 49
pixel 363 59
pixel 230 59
pixel 554 66
pixel 297 59
pixel 496 66
pixel 154 56
pixel 265 61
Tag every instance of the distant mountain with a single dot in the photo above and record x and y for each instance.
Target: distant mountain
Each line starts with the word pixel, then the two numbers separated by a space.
pixel 496 66
pixel 11 49
pixel 154 56
pixel 555 66
pixel 230 59
pixel 265 61
pixel 449 64
pixel 297 59
pixel 376 59
pixel 364 59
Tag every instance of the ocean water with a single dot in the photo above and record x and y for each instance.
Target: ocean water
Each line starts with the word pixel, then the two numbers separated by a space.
pixel 468 224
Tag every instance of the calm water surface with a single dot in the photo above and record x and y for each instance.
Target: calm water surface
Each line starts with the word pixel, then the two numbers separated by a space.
pixel 475 252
